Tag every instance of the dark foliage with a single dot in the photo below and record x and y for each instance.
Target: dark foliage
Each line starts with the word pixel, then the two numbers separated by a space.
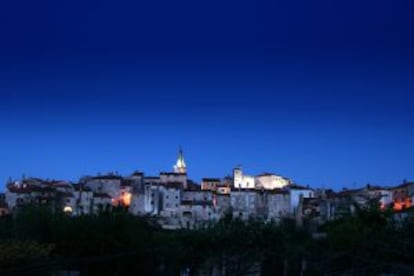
pixel 117 243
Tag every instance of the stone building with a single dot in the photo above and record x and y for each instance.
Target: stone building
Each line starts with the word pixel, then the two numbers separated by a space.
pixel 109 184
pixel 173 177
pixel 101 202
pixel 278 205
pixel 83 198
pixel 243 203
pixel 296 192
pixel 210 184
pixel 194 214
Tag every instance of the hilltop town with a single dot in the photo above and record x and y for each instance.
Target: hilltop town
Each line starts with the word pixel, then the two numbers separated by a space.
pixel 176 201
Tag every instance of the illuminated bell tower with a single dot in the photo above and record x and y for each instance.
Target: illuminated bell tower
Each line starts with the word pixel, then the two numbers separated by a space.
pixel 237 177
pixel 180 166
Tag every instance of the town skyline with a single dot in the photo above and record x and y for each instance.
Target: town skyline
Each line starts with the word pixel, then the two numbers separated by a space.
pixel 198 180
pixel 178 202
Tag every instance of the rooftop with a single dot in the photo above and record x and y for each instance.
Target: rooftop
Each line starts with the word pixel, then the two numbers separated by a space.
pixel 211 179
pixel 81 187
pixel 172 173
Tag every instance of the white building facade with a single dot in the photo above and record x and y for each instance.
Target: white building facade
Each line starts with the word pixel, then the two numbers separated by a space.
pixel 270 181
pixel 241 181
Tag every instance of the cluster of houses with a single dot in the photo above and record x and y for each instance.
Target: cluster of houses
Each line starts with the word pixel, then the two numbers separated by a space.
pixel 178 202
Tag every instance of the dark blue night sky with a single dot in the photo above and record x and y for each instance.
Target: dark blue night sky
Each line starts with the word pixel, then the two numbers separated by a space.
pixel 319 91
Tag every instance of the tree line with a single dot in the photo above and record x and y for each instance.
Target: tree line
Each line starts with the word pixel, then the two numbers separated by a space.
pixel 37 241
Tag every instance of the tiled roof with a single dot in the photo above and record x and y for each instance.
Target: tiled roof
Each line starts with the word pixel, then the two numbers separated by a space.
pixel 211 179
pixel 349 192
pixel 404 185
pixel 370 188
pixel 30 189
pixel 33 179
pixel 266 174
pixel 172 173
pixel 107 177
pixel 137 173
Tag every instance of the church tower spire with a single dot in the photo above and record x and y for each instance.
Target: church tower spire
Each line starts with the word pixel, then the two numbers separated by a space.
pixel 180 166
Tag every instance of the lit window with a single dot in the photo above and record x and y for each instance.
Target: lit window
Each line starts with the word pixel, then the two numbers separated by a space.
pixel 67 209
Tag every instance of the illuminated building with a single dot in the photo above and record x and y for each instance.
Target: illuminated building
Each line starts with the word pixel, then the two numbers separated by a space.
pixel 242 181
pixel 267 181
pixel 271 181
pixel 403 196
pixel 180 166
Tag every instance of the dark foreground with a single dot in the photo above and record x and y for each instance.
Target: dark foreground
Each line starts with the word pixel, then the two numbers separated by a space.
pixel 39 242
